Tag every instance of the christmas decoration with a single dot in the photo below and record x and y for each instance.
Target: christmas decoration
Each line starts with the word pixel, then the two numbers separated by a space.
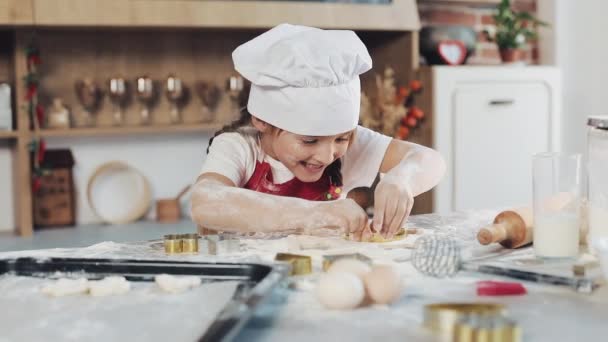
pixel 35 111
pixel 392 110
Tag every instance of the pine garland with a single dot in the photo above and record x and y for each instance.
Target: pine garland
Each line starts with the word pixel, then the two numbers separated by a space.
pixel 37 146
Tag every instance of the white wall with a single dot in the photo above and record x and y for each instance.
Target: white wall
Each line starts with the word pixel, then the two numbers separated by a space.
pixel 169 161
pixel 576 43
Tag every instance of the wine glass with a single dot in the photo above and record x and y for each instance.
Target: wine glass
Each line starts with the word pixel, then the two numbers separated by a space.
pixel 146 94
pixel 118 89
pixel 90 95
pixel 210 95
pixel 174 90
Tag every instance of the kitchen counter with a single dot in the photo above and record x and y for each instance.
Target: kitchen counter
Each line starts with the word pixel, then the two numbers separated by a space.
pixel 546 313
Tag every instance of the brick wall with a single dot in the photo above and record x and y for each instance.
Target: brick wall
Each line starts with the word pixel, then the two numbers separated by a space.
pixel 478 17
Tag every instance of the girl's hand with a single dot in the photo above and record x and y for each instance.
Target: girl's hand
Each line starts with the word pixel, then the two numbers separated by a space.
pixel 393 202
pixel 344 214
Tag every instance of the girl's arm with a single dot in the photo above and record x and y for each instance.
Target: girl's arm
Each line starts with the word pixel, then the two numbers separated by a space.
pixel 219 205
pixel 410 169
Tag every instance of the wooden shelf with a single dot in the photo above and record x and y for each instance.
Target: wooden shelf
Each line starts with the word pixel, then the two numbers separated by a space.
pixel 399 15
pixel 127 130
pixel 8 134
pixel 489 3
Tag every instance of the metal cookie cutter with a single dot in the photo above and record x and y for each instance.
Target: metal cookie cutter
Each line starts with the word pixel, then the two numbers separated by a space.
pixel 442 317
pixel 189 243
pixel 328 260
pixel 181 244
pixel 479 328
pixel 173 244
pixel 300 264
pixel 223 243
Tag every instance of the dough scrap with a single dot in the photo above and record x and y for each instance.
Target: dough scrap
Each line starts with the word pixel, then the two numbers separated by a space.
pixel 176 284
pixel 66 287
pixel 109 286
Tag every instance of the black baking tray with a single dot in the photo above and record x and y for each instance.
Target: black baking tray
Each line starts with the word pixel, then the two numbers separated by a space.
pixel 256 281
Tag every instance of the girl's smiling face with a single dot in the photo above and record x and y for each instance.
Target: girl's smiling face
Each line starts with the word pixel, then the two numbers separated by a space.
pixel 306 157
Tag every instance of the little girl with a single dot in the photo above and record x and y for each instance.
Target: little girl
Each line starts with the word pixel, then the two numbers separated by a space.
pixel 290 160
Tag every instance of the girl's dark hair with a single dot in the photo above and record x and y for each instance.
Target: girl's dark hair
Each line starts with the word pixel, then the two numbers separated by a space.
pixel 242 121
pixel 334 170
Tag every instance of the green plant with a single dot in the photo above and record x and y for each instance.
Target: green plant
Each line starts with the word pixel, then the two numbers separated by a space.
pixel 513 29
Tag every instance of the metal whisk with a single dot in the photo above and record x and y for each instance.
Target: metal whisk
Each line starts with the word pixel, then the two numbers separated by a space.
pixel 437 256
pixel 440 256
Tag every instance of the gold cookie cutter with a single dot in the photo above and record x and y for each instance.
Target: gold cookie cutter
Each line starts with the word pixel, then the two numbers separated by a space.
pixel 329 259
pixel 486 329
pixel 443 317
pixel 300 264
pixel 181 243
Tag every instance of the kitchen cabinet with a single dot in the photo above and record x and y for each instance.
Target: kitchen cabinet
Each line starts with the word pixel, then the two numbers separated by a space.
pixel 487 123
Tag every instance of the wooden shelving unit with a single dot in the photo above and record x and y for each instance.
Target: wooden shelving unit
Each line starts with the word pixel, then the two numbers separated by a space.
pixel 110 131
pixel 8 134
pixel 193 40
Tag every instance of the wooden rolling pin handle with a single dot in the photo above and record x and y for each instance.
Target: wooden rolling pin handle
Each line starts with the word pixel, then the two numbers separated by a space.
pixel 494 233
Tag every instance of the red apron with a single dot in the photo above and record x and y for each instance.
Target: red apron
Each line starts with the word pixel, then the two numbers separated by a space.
pixel 321 190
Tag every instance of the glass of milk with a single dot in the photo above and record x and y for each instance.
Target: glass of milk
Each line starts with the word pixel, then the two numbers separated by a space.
pixel 597 170
pixel 557 204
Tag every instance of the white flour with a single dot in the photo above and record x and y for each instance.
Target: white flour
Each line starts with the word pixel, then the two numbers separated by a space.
pixel 293 313
pixel 145 314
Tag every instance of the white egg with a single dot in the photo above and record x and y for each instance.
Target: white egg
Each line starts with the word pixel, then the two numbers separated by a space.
pixel 353 266
pixel 340 290
pixel 383 284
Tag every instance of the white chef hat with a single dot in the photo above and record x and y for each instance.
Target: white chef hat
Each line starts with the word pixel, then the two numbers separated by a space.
pixel 303 79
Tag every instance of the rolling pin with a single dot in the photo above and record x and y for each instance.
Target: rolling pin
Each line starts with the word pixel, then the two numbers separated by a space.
pixel 511 228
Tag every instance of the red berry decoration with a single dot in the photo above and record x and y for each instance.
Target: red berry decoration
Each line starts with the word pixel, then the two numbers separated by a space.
pixel 411 121
pixel 403 132
pixel 416 112
pixel 36 184
pixel 415 85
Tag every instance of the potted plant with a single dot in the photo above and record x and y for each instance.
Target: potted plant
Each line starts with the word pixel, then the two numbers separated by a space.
pixel 513 30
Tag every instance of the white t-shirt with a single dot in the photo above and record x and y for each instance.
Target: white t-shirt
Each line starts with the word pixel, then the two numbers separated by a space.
pixel 234 155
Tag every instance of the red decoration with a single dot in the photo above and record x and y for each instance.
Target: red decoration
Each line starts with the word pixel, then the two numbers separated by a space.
pixel 403 132
pixel 334 192
pixel 41 151
pixel 36 183
pixel 40 113
pixel 411 121
pixel 36 113
pixel 31 91
pixel 415 85
pixel 416 112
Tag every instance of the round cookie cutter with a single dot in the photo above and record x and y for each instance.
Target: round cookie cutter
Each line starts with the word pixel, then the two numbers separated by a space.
pixel 442 317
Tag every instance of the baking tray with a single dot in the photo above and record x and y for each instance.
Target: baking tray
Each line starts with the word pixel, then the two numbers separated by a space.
pixel 256 281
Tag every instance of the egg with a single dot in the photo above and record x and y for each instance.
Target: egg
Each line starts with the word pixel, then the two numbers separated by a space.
pixel 383 284
pixel 340 290
pixel 353 266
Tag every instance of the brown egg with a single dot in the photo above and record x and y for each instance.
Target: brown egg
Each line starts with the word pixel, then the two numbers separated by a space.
pixel 353 266
pixel 383 284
